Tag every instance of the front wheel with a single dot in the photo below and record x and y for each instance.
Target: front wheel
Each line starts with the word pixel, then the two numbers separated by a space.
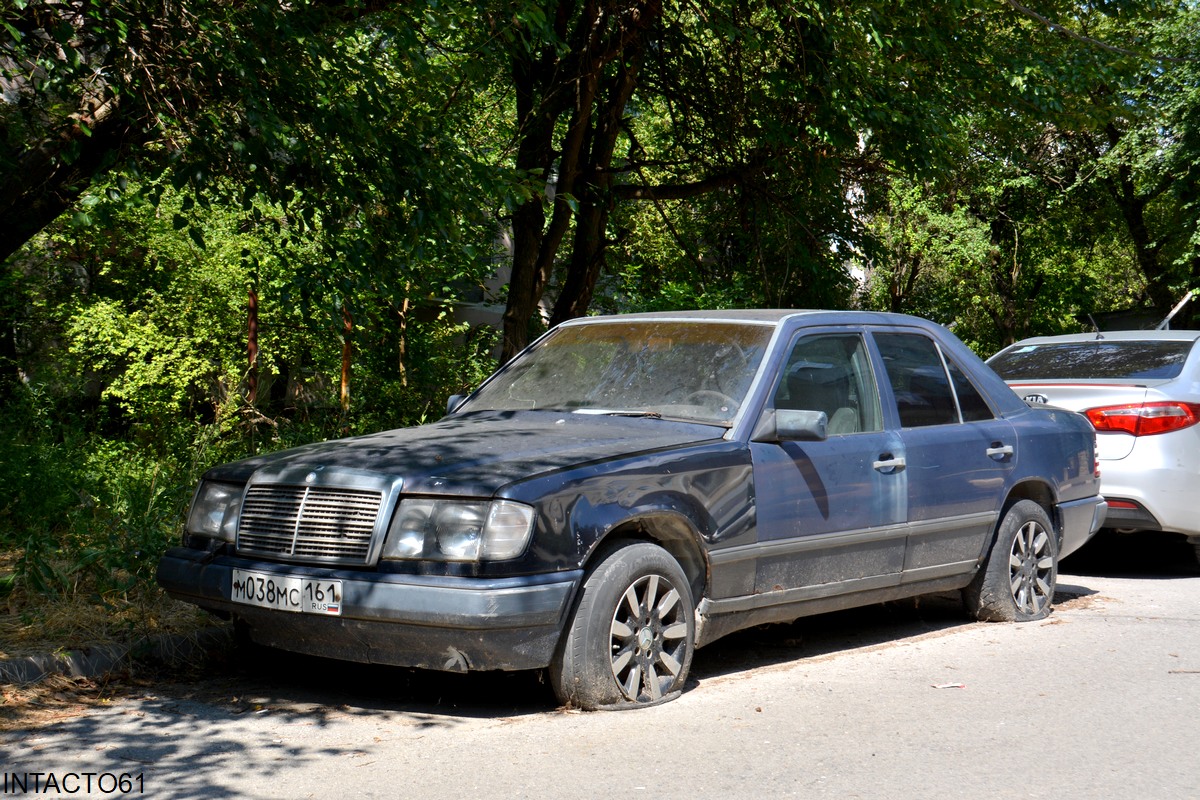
pixel 631 638
pixel 1016 582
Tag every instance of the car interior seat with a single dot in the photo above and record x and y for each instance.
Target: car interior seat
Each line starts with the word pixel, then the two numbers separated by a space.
pixel 822 386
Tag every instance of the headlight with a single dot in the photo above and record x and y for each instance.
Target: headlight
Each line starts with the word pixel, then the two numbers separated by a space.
pixel 457 530
pixel 215 510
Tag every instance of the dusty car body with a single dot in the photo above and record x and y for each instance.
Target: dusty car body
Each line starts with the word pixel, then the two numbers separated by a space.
pixel 1141 391
pixel 631 488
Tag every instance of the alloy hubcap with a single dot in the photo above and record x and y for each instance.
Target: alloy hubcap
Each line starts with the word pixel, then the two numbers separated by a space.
pixel 648 638
pixel 1031 569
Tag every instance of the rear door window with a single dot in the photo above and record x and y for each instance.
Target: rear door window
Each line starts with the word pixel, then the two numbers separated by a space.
pixel 970 402
pixel 919 381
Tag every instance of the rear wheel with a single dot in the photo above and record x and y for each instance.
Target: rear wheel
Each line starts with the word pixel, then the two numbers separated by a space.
pixel 1016 582
pixel 631 638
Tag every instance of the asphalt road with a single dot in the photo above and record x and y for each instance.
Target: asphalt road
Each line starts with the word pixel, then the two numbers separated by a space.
pixel 897 701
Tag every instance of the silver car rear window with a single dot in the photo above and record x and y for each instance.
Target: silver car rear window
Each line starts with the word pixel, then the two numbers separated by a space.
pixel 1093 360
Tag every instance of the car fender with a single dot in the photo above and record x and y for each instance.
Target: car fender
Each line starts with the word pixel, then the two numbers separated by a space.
pixel 690 501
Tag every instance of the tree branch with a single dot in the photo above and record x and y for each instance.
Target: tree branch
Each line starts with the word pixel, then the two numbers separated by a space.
pixel 1079 37
pixel 679 191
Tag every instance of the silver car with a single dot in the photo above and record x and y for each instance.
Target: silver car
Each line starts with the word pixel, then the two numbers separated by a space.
pixel 1141 392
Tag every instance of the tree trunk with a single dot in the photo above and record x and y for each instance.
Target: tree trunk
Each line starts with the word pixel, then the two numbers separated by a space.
pixel 526 284
pixel 48 181
pixel 535 157
pixel 347 350
pixel 591 223
pixel 252 346
pixel 402 327
pixel 1132 206
pixel 549 87
pixel 1133 211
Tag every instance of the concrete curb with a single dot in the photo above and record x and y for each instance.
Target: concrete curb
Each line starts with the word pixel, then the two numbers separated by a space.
pixel 94 662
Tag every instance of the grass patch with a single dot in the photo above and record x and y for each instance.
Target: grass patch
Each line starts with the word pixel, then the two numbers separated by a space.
pixel 38 624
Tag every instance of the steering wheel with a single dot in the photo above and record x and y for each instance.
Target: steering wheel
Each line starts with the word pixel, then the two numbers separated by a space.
pixel 702 397
pixel 737 365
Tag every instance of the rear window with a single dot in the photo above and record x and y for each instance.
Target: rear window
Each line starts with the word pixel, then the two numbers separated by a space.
pixel 1094 360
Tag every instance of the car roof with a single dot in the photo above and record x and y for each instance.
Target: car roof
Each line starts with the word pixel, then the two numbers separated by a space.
pixel 1113 336
pixel 764 316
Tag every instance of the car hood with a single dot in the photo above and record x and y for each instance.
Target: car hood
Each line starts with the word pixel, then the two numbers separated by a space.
pixel 473 454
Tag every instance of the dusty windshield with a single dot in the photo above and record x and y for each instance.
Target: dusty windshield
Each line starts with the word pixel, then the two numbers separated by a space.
pixel 692 370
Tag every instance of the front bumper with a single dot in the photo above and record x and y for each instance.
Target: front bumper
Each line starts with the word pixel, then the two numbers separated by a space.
pixel 432 622
pixel 1080 521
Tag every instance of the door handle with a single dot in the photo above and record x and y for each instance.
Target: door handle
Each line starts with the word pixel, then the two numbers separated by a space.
pixel 889 464
pixel 1000 451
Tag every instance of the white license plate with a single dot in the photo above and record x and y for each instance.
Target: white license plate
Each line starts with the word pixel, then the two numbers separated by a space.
pixel 287 592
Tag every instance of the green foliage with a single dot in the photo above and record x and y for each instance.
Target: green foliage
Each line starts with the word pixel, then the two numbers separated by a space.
pixel 1063 204
pixel 87 514
pixel 135 370
pixel 1002 255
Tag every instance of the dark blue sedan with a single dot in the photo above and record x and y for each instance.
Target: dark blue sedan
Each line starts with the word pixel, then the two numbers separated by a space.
pixel 630 488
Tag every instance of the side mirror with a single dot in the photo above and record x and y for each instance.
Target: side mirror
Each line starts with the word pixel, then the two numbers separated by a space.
pixel 788 425
pixel 454 402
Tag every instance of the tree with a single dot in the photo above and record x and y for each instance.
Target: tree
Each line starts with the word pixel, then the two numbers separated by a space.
pixel 783 118
pixel 1064 203
pixel 1144 151
pixel 397 137
pixel 340 113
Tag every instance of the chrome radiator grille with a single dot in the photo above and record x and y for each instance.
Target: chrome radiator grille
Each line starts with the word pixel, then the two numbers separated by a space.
pixel 308 523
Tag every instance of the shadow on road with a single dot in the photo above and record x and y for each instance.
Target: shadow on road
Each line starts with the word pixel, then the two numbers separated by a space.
pixel 824 634
pixel 258 678
pixel 255 680
pixel 252 680
pixel 1145 554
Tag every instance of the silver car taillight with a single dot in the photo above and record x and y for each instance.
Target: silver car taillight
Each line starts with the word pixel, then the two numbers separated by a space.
pixel 1144 419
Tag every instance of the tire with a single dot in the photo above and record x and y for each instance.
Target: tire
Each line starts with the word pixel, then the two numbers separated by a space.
pixel 1016 582
pixel 631 637
pixel 244 653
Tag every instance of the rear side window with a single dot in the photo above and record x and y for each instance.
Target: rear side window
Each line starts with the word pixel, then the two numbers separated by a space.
pixel 1099 359
pixel 974 408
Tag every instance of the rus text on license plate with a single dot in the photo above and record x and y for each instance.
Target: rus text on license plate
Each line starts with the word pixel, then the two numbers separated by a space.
pixel 287 592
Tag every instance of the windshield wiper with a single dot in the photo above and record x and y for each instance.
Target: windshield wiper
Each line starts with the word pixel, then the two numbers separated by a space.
pixel 617 412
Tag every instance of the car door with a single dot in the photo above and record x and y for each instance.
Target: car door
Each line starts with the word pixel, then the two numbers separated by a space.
pixel 831 513
pixel 958 455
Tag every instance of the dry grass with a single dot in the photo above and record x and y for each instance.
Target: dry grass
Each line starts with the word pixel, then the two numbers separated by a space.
pixel 70 623
pixel 32 624
pixel 35 624
pixel 56 698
